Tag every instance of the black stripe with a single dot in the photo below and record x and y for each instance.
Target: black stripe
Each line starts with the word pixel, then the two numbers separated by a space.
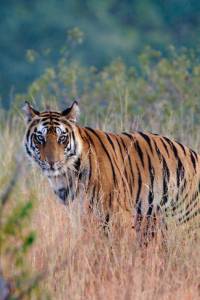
pixel 126 174
pixel 164 145
pixel 74 140
pixel 110 201
pixel 77 165
pixel 45 119
pixel 151 187
pixel 51 123
pixel 69 144
pixel 128 135
pixel 93 195
pixel 44 115
pixel 139 209
pixel 66 123
pixel 190 216
pixel 45 123
pixel 90 168
pixel 195 154
pixel 105 150
pixel 130 165
pixel 173 147
pixel 183 186
pixel 180 170
pixel 147 139
pixel 90 162
pixel 181 202
pixel 167 140
pixel 28 151
pixel 182 147
pixel 89 138
pixel 166 176
pixel 139 185
pixel 194 197
pixel 122 157
pixel 31 139
pixel 120 149
pixel 158 152
pixel 110 141
pixel 71 181
pixel 56 123
pixel 48 113
pixel 185 198
pixel 35 122
pixel 28 134
pixel 139 151
pixel 54 118
pixel 193 160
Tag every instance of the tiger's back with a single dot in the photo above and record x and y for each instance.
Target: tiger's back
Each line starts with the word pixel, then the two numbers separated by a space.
pixel 145 173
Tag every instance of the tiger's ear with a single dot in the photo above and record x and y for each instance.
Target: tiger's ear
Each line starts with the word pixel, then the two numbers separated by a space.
pixel 29 112
pixel 72 112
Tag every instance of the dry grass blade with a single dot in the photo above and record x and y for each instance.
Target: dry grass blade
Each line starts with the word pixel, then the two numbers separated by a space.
pixel 7 192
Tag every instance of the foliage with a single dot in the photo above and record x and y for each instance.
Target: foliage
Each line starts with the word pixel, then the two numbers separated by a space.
pixel 162 94
pixel 16 240
pixel 112 28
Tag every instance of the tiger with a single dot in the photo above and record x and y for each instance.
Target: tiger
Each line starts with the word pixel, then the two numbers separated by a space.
pixel 141 173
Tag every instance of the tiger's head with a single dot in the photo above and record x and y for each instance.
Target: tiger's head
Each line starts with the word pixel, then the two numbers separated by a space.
pixel 52 138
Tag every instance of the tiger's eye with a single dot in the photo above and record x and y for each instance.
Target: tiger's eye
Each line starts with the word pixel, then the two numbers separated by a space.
pixel 62 139
pixel 39 138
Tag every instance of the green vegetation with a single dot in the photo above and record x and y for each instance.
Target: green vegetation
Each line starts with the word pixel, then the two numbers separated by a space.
pixel 111 28
pixel 17 279
pixel 161 92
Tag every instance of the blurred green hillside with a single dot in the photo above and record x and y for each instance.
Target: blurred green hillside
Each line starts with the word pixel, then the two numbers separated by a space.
pixel 111 28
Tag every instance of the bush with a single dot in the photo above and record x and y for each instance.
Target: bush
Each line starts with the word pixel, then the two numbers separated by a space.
pixel 17 281
pixel 160 94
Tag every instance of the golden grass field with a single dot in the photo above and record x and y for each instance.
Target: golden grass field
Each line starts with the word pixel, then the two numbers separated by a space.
pixel 83 263
pixel 79 261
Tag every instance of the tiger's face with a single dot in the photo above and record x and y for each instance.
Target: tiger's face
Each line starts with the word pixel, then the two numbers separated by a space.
pixel 51 139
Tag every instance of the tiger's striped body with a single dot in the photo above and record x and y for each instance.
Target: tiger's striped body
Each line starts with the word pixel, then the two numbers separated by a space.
pixel 141 173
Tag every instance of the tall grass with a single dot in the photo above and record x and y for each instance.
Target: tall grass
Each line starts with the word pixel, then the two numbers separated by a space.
pixel 83 263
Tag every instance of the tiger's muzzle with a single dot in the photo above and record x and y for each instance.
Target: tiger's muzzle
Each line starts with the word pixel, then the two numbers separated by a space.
pixel 52 154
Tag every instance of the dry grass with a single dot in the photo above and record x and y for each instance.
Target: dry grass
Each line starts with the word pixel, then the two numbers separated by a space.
pixel 82 262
